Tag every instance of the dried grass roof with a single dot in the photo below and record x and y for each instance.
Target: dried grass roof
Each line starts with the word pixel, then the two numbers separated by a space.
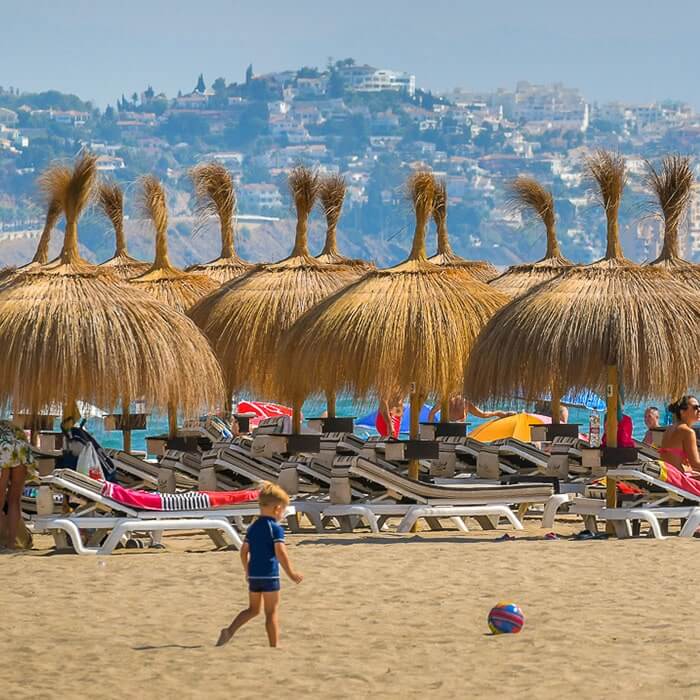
pixel 445 257
pixel 168 284
pixel 672 186
pixel 110 199
pixel 528 196
pixel 246 318
pixel 331 196
pixel 611 312
pixel 216 196
pixel 412 323
pixel 74 331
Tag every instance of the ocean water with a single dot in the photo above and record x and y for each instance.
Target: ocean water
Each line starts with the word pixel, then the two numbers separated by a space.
pixel 158 424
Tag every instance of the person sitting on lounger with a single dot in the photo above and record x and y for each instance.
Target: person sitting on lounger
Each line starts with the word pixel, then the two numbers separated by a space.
pixel 679 446
pixel 651 420
pixel 460 409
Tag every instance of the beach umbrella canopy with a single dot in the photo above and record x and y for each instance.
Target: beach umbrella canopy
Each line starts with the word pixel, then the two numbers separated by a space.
pixel 672 186
pixel 110 199
pixel 405 329
pixel 593 326
pixel 216 196
pixel 517 426
pixel 528 196
pixel 246 319
pixel 164 281
pixel 445 257
pixel 331 197
pixel 74 331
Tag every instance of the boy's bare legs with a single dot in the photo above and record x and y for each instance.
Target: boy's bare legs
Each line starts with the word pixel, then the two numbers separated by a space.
pixel 253 610
pixel 272 602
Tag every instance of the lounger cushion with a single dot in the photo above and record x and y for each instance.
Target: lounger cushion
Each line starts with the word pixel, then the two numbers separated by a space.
pixel 663 471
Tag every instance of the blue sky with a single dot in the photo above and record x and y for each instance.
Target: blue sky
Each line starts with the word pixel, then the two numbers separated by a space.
pixel 614 49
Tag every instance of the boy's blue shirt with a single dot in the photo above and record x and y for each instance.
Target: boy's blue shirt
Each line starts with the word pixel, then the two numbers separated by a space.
pixel 261 538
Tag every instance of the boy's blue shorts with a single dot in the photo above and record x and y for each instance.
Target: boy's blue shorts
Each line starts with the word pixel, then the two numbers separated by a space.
pixel 263 585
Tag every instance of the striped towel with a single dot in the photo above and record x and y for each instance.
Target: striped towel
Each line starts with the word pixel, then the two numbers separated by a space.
pixel 187 500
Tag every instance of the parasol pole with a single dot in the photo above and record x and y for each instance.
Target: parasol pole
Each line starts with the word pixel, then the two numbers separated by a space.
pixel 126 431
pixel 556 404
pixel 330 404
pixel 416 405
pixel 296 417
pixel 172 420
pixel 611 400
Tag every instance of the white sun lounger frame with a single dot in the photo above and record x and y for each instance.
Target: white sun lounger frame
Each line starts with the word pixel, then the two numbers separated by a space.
pixel 651 512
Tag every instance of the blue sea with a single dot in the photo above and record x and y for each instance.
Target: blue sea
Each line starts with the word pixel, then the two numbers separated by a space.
pixel 345 407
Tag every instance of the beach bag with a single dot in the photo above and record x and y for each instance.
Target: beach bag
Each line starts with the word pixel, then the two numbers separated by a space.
pixel 89 463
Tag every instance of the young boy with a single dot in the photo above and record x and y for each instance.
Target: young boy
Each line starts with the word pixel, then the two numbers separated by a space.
pixel 261 554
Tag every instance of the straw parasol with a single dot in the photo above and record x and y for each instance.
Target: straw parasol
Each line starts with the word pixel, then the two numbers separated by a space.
pixel 332 196
pixel 445 257
pixel 53 213
pixel 213 186
pixel 246 320
pixel 607 323
pixel 74 331
pixel 672 186
pixel 528 195
pixel 408 328
pixel 168 284
pixel 110 199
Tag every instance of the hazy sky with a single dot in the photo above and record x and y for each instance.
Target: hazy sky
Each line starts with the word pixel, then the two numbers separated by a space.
pixel 611 49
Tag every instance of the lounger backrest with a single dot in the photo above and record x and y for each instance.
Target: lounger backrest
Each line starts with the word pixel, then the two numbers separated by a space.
pixel 279 425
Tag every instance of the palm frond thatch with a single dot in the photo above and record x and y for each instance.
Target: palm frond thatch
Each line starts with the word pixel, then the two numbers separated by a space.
pixel 672 186
pixel 331 196
pixel 445 257
pixel 168 284
pixel 73 331
pixel 216 196
pixel 246 318
pixel 609 313
pixel 413 324
pixel 529 196
pixel 110 199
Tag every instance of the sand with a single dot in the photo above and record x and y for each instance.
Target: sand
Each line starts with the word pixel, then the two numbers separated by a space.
pixel 386 616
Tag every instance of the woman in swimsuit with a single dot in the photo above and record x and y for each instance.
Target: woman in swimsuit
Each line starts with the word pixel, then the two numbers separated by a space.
pixel 679 446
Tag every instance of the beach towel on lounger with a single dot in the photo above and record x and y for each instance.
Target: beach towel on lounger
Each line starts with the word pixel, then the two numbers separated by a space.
pixel 188 500
pixel 663 471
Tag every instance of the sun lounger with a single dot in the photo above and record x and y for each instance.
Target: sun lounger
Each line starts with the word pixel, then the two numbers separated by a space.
pixel 667 494
pixel 103 514
pixel 134 472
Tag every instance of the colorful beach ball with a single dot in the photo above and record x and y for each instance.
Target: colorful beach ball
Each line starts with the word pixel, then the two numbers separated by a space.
pixel 506 618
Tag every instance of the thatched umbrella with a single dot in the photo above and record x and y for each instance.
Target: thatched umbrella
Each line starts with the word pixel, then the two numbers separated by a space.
pixel 246 320
pixel 53 213
pixel 672 186
pixel 528 195
pixel 168 284
pixel 74 331
pixel 213 186
pixel 607 323
pixel 408 328
pixel 111 201
pixel 445 257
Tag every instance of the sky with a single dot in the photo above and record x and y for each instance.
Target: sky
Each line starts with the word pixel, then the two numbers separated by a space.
pixel 614 49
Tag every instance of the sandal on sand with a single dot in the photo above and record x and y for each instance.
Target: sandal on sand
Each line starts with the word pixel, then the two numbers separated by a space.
pixel 505 538
pixel 551 536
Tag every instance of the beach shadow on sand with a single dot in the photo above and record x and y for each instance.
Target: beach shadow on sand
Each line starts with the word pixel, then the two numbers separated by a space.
pixel 403 539
pixel 157 647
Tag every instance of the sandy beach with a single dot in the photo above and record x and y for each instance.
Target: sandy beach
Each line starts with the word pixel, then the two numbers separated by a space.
pixel 388 616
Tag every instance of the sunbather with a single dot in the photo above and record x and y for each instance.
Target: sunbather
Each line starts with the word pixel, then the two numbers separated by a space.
pixel 460 409
pixel 388 423
pixel 16 459
pixel 679 446
pixel 651 420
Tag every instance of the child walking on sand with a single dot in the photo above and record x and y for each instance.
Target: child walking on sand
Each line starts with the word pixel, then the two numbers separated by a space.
pixel 262 553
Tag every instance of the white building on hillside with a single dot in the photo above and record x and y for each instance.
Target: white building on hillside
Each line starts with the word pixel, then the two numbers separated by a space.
pixel 368 79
